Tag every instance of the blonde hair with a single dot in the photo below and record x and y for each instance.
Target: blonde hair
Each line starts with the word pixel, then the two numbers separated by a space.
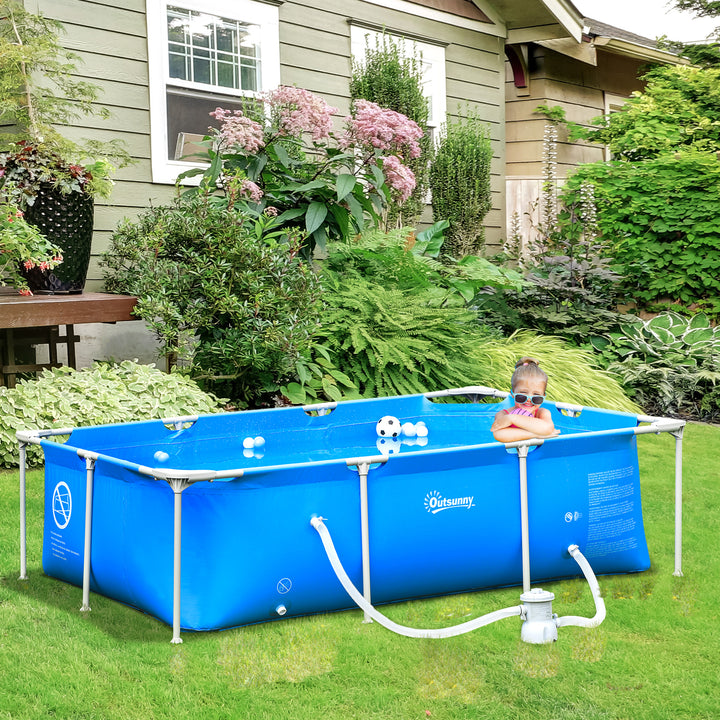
pixel 527 368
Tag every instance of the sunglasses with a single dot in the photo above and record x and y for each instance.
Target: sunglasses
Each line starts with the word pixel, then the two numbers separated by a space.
pixel 522 398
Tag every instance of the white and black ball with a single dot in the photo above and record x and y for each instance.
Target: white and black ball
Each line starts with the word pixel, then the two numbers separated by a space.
pixel 388 426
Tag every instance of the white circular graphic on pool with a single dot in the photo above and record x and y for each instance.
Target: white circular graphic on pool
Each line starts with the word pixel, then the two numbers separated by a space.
pixel 61 505
pixel 284 586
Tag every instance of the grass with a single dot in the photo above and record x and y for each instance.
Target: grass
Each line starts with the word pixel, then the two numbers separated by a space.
pixel 654 657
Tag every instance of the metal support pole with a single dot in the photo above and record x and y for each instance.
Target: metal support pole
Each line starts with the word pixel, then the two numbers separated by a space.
pixel 23 526
pixel 522 452
pixel 178 487
pixel 90 468
pixel 363 469
pixel 678 435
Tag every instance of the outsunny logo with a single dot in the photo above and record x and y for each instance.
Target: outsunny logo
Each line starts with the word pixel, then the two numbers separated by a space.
pixel 435 502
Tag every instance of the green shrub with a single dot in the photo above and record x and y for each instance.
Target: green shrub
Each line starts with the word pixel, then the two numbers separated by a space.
pixel 228 291
pixel 105 393
pixel 391 79
pixel 669 364
pixel 460 182
pixel 395 342
pixel 660 216
pixel 406 261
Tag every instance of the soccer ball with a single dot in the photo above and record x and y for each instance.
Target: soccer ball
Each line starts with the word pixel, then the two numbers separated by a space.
pixel 388 426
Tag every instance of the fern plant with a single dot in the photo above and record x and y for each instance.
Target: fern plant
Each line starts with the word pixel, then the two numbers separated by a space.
pixel 392 342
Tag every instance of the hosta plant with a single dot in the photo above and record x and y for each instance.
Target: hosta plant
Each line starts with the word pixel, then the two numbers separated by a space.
pixel 669 364
pixel 104 393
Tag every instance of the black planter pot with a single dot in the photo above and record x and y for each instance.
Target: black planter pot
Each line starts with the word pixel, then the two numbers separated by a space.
pixel 67 221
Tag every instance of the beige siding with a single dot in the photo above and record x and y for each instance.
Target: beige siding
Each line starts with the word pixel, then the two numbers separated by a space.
pixel 314 54
pixel 580 90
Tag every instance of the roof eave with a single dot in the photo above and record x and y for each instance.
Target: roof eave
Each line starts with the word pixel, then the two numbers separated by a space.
pixel 639 52
pixel 561 19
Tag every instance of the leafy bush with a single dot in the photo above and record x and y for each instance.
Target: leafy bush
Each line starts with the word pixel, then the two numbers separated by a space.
pixel 678 109
pixel 394 80
pixel 408 261
pixel 105 393
pixel 228 291
pixel 393 342
pixel 669 364
pixel 661 217
pixel 571 289
pixel 460 182
pixel 387 269
pixel 280 155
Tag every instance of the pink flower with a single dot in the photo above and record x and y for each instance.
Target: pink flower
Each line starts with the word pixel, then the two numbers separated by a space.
pixel 271 211
pixel 297 111
pixel 249 189
pixel 383 129
pixel 237 130
pixel 44 265
pixel 398 176
pixel 28 264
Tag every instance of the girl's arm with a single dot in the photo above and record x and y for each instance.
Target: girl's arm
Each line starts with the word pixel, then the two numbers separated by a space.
pixel 525 427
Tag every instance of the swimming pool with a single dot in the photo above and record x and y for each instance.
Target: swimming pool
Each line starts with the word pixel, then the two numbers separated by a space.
pixel 205 523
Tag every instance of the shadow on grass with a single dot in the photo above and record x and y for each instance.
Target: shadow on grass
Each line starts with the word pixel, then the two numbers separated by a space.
pixel 110 617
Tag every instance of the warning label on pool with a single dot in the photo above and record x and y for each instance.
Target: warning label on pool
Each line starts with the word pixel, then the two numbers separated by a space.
pixel 61 505
pixel 611 512
pixel 59 548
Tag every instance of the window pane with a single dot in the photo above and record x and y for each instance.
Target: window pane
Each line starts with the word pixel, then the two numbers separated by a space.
pixel 177 67
pixel 189 119
pixel 202 71
pixel 213 49
pixel 249 78
pixel 227 76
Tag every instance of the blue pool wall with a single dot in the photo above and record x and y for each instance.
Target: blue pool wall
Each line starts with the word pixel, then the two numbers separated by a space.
pixel 444 517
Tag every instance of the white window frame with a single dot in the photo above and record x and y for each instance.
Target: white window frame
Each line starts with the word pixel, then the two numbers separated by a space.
pixel 263 14
pixel 433 59
pixel 613 103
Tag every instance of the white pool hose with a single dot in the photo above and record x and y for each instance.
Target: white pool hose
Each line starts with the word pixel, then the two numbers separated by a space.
pixel 357 597
pixel 594 588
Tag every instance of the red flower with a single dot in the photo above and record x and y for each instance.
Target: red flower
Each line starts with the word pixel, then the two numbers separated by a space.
pixel 25 292
pixel 28 264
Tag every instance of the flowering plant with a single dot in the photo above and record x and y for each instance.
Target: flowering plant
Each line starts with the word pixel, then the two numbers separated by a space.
pixel 22 244
pixel 280 156
pixel 25 167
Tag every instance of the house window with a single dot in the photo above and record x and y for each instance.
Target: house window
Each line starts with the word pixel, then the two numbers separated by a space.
pixel 433 67
pixel 203 54
pixel 613 104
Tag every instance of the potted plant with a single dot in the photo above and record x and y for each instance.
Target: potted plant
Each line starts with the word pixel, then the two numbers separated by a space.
pixel 48 177
pixel 23 248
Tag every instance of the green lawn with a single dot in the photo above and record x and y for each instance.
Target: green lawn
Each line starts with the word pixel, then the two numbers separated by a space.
pixel 655 656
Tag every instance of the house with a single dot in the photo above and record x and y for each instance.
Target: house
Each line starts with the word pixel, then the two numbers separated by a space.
pixel 163 65
pixel 587 79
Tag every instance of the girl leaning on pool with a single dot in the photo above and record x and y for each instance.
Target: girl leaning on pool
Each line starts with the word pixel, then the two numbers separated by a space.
pixel 527 419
